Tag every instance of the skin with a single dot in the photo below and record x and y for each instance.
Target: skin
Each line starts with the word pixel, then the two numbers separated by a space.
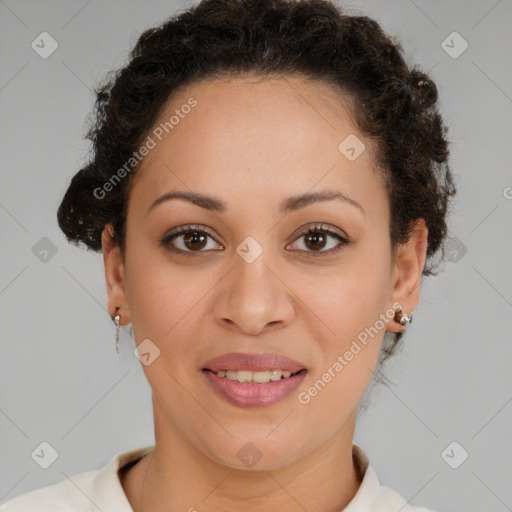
pixel 253 143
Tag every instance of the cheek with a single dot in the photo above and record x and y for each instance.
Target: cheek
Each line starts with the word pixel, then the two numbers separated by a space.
pixel 159 294
pixel 165 304
pixel 346 299
pixel 349 339
pixel 348 306
pixel 351 335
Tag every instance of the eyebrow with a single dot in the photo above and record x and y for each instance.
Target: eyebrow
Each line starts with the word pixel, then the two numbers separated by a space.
pixel 290 204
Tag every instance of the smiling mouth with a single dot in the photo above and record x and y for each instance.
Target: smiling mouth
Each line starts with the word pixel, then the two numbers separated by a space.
pixel 260 377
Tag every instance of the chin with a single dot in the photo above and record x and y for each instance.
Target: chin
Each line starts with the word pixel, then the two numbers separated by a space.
pixel 256 453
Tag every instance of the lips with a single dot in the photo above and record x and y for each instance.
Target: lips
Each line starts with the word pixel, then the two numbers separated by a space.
pixel 250 394
pixel 253 362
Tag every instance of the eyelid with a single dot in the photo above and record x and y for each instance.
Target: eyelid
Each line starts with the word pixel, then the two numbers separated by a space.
pixel 185 228
pixel 319 226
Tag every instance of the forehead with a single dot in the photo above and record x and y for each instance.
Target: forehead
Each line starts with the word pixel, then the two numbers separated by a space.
pixel 253 139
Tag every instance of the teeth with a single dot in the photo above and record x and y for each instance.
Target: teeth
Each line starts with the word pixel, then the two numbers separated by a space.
pixel 257 377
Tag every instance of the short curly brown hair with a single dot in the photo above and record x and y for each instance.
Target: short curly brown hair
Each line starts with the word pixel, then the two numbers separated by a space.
pixel 393 104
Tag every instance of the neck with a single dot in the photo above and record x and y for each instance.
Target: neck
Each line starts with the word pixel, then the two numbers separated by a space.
pixel 176 476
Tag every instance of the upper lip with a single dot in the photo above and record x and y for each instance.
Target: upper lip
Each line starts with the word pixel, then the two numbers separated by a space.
pixel 253 362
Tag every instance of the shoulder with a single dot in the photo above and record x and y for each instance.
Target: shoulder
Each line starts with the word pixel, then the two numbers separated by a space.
pixel 392 501
pixel 89 491
pixel 385 499
pixel 372 496
pixel 57 497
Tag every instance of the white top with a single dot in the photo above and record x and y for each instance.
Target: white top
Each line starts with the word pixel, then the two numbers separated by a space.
pixel 101 489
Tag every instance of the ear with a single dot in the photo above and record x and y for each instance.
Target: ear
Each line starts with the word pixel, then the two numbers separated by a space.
pixel 114 276
pixel 407 268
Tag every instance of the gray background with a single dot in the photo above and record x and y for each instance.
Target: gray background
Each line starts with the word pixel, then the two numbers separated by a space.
pixel 61 380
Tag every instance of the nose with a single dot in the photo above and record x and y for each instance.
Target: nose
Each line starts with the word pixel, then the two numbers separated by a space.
pixel 253 298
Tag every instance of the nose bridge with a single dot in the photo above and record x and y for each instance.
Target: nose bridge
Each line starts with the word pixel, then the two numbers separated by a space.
pixel 252 281
pixel 254 297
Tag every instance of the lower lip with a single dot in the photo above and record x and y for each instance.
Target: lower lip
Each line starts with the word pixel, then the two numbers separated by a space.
pixel 253 394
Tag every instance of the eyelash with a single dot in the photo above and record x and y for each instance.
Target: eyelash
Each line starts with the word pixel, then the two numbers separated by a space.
pixel 204 230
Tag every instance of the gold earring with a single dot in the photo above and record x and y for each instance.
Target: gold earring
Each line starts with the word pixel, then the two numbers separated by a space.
pixel 117 321
pixel 403 318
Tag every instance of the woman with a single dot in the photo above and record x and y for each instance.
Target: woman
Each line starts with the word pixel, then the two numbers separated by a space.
pixel 268 186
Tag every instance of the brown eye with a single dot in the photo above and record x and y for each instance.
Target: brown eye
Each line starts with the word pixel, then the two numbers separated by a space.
pixel 194 240
pixel 316 239
pixel 191 239
pixel 187 239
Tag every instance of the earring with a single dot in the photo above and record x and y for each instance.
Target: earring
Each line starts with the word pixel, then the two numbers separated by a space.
pixel 117 320
pixel 403 318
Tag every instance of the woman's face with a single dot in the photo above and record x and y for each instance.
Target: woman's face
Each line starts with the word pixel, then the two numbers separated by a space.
pixel 257 282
